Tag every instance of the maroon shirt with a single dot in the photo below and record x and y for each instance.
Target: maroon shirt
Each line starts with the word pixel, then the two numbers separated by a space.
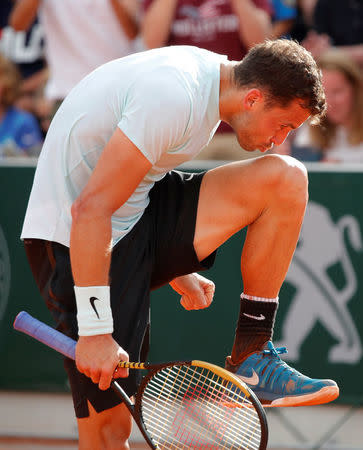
pixel 209 24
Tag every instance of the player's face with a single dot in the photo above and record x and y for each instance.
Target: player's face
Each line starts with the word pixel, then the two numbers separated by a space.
pixel 264 126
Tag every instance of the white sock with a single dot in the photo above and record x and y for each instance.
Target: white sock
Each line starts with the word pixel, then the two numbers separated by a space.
pixel 259 299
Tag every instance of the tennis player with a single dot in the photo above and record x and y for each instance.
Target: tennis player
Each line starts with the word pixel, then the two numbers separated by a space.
pixel 109 219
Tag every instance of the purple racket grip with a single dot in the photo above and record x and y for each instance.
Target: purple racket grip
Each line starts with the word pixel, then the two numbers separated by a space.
pixel 47 335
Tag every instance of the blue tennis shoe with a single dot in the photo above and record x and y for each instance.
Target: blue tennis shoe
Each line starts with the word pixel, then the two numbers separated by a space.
pixel 277 384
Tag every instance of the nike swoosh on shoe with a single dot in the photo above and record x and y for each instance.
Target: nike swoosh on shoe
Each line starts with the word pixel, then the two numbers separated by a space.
pixel 252 380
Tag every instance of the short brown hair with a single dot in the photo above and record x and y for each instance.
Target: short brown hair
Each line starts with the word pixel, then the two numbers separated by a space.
pixel 9 80
pixel 287 71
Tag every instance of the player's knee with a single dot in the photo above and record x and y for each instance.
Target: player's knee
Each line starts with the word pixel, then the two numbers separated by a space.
pixel 105 438
pixel 112 439
pixel 114 434
pixel 289 180
pixel 108 430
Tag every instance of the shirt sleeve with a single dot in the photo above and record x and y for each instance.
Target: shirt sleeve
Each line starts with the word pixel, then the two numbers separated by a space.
pixel 156 115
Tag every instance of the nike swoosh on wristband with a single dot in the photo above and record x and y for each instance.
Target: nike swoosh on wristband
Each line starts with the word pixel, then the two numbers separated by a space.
pixel 92 301
pixel 252 381
pixel 260 317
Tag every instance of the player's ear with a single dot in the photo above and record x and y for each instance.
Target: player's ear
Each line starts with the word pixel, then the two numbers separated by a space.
pixel 252 98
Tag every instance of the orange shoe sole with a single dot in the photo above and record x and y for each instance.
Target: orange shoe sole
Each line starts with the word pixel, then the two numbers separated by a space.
pixel 325 395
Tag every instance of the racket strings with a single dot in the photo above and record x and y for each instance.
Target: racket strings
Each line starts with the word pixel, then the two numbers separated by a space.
pixel 215 395
pixel 192 407
pixel 217 427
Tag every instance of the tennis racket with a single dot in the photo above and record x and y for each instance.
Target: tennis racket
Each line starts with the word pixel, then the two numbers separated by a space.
pixel 180 404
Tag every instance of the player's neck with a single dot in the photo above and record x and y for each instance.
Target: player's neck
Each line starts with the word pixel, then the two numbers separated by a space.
pixel 230 96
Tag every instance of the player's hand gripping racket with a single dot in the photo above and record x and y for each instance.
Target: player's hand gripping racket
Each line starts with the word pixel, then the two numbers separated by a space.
pixel 180 405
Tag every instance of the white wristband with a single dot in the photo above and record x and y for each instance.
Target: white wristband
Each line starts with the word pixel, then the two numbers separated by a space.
pixel 94 313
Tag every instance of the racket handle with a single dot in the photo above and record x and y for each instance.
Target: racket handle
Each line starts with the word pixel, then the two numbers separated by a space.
pixel 66 346
pixel 47 335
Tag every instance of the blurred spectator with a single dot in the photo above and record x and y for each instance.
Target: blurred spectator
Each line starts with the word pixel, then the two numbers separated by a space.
pixel 228 27
pixel 26 50
pixel 79 36
pixel 304 19
pixel 284 14
pixel 339 138
pixel 19 131
pixel 337 23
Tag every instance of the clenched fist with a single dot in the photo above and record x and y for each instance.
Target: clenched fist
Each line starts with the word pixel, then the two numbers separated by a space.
pixel 196 291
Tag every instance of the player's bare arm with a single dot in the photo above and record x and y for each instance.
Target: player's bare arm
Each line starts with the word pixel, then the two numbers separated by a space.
pixel 119 170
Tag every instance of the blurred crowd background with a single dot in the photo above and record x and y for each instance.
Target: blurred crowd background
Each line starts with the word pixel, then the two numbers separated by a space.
pixel 47 46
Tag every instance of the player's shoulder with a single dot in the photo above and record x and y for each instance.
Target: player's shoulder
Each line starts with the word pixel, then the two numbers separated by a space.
pixel 180 65
pixel 184 57
pixel 163 91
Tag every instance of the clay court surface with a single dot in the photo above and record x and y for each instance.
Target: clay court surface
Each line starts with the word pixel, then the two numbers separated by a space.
pixel 47 444
pixel 39 421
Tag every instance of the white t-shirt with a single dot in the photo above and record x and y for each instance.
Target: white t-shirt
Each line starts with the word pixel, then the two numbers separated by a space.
pixel 80 36
pixel 165 100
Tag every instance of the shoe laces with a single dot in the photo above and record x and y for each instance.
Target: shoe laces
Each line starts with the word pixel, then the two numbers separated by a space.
pixel 280 366
pixel 274 351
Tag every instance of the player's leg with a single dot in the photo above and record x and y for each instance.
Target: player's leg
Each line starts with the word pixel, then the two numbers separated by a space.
pixel 268 195
pixel 109 429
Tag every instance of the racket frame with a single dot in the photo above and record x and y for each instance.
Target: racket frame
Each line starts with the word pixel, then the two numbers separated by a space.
pixel 223 373
pixel 58 341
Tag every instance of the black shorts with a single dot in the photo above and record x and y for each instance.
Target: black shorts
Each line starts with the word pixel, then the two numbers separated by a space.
pixel 157 249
